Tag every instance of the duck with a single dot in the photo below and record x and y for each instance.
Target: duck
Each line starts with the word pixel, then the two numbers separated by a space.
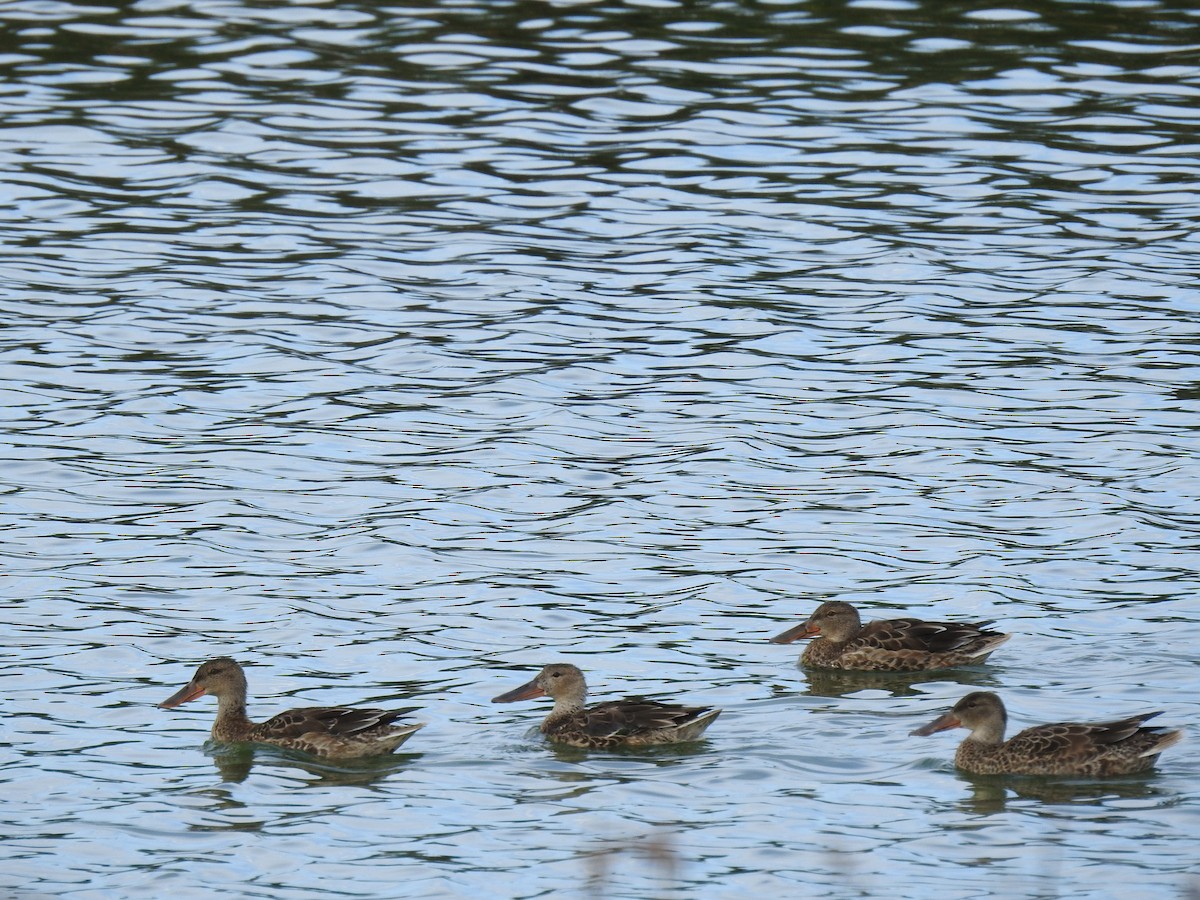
pixel 632 722
pixel 332 732
pixel 1121 747
pixel 890 645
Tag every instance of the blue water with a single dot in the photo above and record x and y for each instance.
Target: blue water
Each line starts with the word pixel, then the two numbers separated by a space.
pixel 397 351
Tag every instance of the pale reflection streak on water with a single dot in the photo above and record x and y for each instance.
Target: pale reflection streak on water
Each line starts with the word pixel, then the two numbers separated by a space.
pixel 400 351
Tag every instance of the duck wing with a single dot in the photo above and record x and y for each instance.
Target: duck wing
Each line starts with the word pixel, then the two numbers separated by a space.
pixel 1078 740
pixel 636 715
pixel 341 721
pixel 915 634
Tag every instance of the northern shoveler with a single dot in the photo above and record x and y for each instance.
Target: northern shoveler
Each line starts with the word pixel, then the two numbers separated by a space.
pixel 334 732
pixel 632 722
pixel 891 645
pixel 1066 748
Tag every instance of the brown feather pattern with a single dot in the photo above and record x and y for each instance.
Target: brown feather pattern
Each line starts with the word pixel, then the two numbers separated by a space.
pixel 632 722
pixel 1121 747
pixel 336 732
pixel 891 645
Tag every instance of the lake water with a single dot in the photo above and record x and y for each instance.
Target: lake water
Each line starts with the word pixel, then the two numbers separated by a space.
pixel 397 350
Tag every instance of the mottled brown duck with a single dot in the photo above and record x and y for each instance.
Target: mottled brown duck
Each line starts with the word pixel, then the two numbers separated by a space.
pixel 891 645
pixel 334 732
pixel 1122 747
pixel 632 722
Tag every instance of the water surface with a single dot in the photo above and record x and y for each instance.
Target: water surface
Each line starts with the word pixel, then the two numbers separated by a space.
pixel 397 350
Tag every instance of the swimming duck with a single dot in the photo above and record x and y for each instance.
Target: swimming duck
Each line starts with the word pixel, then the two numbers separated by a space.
pixel 1066 748
pixel 891 645
pixel 333 732
pixel 632 722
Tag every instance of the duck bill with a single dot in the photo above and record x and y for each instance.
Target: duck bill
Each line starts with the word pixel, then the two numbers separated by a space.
pixel 803 630
pixel 188 692
pixel 941 723
pixel 524 692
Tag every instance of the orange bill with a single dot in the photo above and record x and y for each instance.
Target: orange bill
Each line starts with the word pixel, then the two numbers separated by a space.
pixel 524 692
pixel 941 723
pixel 803 630
pixel 188 692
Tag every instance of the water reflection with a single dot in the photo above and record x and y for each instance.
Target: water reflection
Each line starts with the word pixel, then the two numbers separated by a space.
pixel 839 683
pixel 620 763
pixel 993 793
pixel 234 763
pixel 416 340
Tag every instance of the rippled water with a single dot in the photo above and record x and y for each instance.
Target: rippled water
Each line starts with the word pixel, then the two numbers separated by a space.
pixel 397 350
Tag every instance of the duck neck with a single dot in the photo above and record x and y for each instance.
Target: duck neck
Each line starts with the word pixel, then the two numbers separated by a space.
pixel 565 706
pixel 232 722
pixel 990 733
pixel 842 633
